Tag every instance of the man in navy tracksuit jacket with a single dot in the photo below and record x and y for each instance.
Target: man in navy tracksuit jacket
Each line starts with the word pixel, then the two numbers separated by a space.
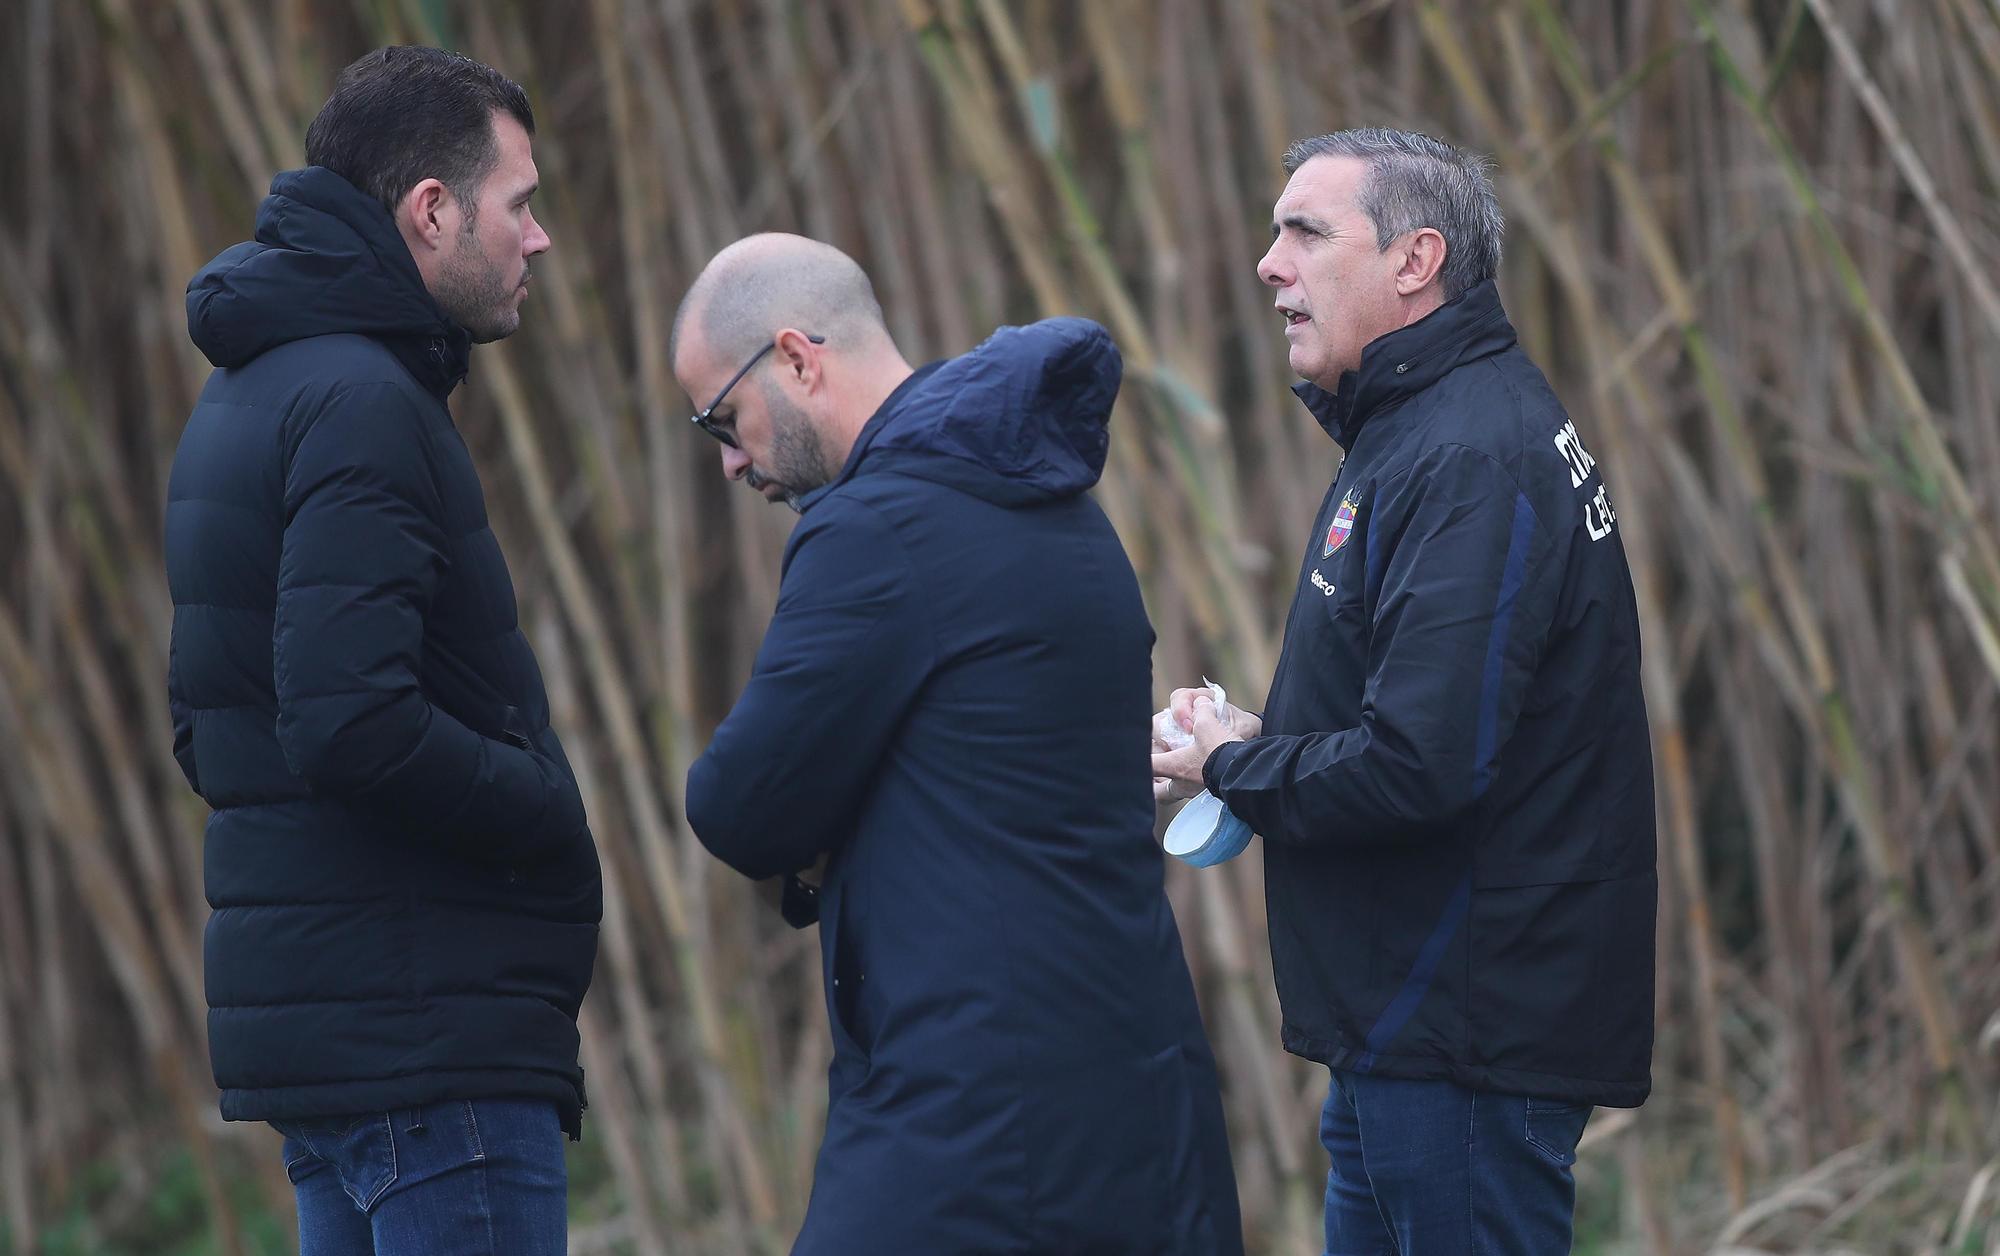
pixel 1452 775
pixel 950 708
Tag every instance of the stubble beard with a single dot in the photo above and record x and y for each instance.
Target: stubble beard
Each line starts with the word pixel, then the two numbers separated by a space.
pixel 798 460
pixel 477 294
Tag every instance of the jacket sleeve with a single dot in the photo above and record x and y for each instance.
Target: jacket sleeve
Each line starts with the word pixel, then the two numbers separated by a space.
pixel 361 559
pixel 848 648
pixel 1463 594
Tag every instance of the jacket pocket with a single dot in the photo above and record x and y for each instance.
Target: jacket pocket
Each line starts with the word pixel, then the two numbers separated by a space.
pixel 1555 972
pixel 845 974
pixel 849 978
pixel 513 728
pixel 1553 857
pixel 1522 874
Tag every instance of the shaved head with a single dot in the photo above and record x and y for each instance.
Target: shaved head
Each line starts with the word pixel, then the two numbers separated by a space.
pixel 781 346
pixel 762 283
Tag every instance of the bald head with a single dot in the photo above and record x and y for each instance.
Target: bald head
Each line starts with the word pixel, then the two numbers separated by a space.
pixel 762 283
pixel 780 342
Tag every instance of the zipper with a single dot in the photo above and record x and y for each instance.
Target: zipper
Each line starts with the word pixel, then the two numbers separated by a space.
pixel 512 872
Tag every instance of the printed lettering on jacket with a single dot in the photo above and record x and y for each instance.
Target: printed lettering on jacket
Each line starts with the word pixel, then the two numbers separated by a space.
pixel 1597 513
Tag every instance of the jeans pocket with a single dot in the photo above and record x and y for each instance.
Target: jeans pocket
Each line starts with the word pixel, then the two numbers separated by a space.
pixel 1554 1129
pixel 363 1156
pixel 439 1140
pixel 299 1158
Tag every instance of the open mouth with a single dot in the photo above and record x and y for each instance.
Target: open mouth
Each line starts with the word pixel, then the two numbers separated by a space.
pixel 1294 318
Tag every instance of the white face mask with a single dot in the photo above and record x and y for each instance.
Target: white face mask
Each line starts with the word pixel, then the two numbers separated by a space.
pixel 1206 832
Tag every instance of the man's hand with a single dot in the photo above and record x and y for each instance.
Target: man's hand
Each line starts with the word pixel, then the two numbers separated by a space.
pixel 772 889
pixel 1177 773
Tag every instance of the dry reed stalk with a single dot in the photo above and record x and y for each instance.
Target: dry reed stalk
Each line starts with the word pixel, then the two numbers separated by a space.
pixel 1662 684
pixel 17 1198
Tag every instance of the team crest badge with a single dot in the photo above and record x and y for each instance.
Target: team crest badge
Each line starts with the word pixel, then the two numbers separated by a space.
pixel 1343 524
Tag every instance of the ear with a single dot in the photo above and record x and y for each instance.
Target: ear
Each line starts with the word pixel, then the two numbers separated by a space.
pixel 428 214
pixel 800 356
pixel 1423 258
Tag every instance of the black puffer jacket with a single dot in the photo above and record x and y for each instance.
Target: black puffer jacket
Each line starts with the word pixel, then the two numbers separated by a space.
pixel 1456 787
pixel 405 893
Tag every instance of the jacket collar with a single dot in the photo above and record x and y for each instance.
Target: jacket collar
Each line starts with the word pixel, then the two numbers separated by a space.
pixel 327 259
pixel 439 362
pixel 1411 359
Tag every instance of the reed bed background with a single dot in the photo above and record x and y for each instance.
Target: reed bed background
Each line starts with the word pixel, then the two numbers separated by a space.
pixel 1753 242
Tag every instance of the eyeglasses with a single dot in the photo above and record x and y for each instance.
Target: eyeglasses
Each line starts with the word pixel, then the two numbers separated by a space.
pixel 704 418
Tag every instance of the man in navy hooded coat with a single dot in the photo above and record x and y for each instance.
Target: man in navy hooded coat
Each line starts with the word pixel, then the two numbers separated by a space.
pixel 950 710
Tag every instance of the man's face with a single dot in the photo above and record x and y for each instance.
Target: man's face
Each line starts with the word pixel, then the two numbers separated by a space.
pixel 483 276
pixel 778 450
pixel 1335 288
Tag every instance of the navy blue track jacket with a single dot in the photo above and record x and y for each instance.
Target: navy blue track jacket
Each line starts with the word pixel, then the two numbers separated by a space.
pixel 405 895
pixel 1454 785
pixel 953 697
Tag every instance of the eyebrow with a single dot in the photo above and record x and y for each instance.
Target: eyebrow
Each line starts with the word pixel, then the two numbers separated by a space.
pixel 527 192
pixel 1303 222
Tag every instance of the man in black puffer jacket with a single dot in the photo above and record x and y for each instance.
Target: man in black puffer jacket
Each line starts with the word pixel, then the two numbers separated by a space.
pixel 405 894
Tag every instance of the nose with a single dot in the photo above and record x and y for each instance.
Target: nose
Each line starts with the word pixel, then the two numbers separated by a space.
pixel 1271 269
pixel 534 240
pixel 735 463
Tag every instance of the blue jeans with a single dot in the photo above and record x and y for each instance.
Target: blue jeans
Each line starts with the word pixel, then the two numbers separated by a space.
pixel 455 1178
pixel 1428 1168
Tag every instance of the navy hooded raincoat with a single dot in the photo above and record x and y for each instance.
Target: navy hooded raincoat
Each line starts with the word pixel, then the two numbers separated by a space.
pixel 953 697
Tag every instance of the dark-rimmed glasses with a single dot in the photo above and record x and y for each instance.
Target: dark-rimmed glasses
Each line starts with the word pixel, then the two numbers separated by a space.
pixel 704 417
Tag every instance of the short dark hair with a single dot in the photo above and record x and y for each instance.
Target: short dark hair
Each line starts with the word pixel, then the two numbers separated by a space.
pixel 403 114
pixel 1416 180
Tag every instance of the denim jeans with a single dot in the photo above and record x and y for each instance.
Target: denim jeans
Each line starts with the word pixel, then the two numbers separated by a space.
pixel 1428 1168
pixel 455 1178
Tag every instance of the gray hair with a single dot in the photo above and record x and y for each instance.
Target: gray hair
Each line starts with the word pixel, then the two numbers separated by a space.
pixel 1417 181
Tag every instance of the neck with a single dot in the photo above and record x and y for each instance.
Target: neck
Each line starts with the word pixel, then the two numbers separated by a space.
pixel 1421 306
pixel 1411 310
pixel 425 258
pixel 873 383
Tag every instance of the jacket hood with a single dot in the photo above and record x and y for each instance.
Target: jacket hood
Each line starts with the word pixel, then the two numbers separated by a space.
pixel 1017 420
pixel 327 259
pixel 1410 359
